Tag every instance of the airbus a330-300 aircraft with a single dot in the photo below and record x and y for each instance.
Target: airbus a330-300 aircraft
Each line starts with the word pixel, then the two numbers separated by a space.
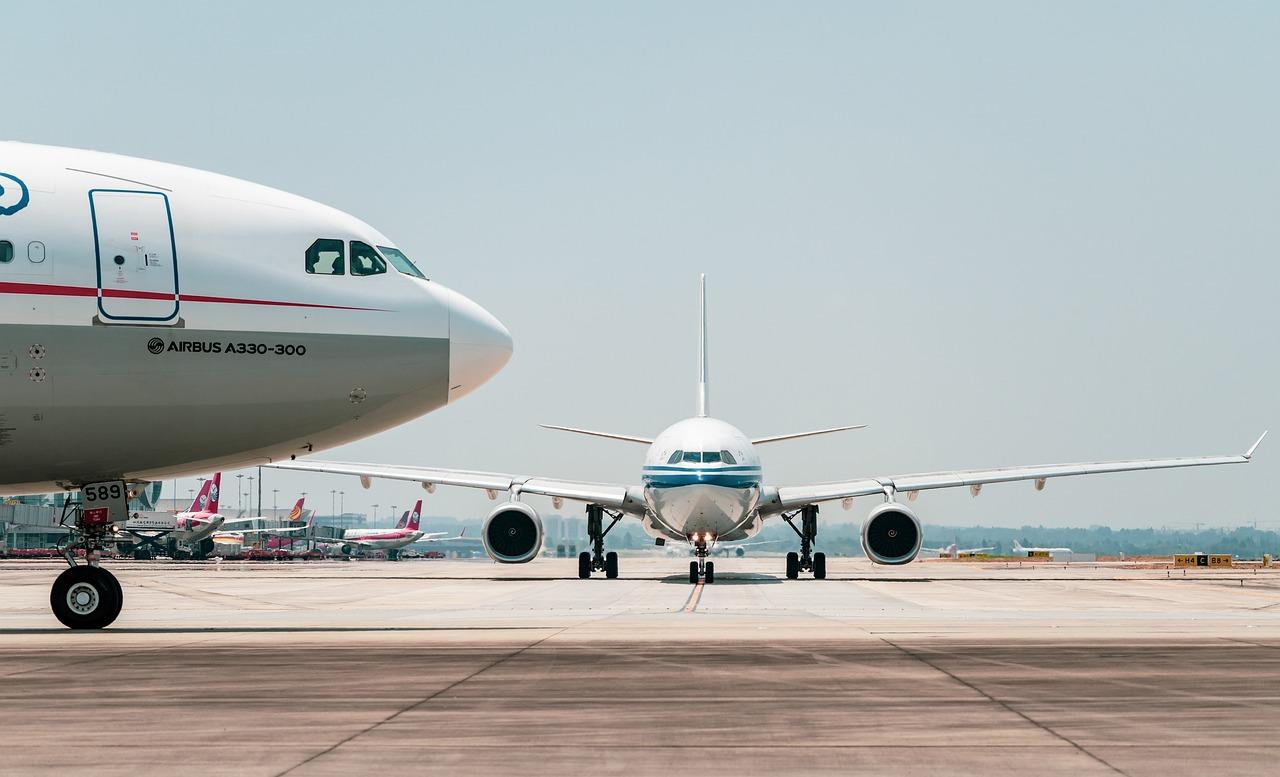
pixel 702 484
pixel 158 321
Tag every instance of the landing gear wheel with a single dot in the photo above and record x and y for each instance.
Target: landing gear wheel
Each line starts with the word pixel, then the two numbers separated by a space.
pixel 85 597
pixel 819 566
pixel 611 565
pixel 693 572
pixel 793 565
pixel 710 576
pixel 584 565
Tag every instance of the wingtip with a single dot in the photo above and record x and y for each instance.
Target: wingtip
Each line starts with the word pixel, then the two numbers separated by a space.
pixel 1249 454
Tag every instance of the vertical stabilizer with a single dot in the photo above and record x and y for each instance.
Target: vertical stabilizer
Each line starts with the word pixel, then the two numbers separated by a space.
pixel 207 500
pixel 296 513
pixel 415 516
pixel 704 404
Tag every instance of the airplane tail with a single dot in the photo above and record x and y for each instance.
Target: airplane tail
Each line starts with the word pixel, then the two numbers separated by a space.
pixel 415 517
pixel 296 513
pixel 704 402
pixel 207 499
pixel 404 520
pixel 1017 547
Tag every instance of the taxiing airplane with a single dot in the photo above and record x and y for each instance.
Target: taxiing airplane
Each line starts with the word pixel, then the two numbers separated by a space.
pixel 702 483
pixel 158 321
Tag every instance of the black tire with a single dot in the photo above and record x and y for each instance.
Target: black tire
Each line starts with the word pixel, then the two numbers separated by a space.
pixel 85 597
pixel 693 572
pixel 710 575
pixel 141 554
pixel 611 565
pixel 584 565
pixel 793 565
pixel 819 566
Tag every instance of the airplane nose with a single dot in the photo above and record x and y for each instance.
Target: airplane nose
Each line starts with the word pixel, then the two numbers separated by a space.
pixel 479 346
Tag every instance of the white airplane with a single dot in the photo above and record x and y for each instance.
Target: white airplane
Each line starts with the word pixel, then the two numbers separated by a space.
pixel 407 532
pixel 954 551
pixel 702 483
pixel 158 321
pixel 1018 550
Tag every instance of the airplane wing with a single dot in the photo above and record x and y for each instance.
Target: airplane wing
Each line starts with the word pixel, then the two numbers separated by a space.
pixel 606 494
pixel 791 497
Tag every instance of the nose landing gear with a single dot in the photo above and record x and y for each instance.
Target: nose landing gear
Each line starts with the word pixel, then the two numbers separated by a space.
pixel 86 596
pixel 701 569
pixel 805 560
pixel 596 560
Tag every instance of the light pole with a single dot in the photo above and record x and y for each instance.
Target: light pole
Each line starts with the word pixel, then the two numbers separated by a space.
pixel 375 512
pixel 240 491
pixel 341 507
pixel 275 510
pixel 393 516
pixel 250 493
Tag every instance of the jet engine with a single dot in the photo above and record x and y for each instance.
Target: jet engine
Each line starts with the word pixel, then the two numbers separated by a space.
pixel 891 534
pixel 512 533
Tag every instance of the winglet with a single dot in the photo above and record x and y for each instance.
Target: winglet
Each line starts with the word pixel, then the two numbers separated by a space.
pixel 1249 453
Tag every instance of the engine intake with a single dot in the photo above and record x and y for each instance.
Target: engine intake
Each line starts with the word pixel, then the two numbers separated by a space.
pixel 891 534
pixel 512 533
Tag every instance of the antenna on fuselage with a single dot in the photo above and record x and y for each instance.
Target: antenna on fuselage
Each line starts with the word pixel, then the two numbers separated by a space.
pixel 703 403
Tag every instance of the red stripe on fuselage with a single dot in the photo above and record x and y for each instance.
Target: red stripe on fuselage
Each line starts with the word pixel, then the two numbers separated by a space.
pixel 52 290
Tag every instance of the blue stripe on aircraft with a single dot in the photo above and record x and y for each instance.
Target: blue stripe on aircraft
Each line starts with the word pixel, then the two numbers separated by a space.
pixel 726 480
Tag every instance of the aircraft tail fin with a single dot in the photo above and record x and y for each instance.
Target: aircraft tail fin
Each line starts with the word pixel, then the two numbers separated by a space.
pixel 704 401
pixel 415 517
pixel 207 500
pixel 1017 547
pixel 404 520
pixel 296 513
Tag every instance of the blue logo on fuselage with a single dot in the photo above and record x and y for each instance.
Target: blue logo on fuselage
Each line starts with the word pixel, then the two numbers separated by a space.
pixel 13 198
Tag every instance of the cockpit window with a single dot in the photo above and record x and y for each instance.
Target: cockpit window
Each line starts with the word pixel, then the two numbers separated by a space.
pixel 675 457
pixel 693 456
pixel 710 457
pixel 365 260
pixel 727 457
pixel 401 262
pixel 326 257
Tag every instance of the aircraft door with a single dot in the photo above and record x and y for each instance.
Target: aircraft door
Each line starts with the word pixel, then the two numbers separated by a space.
pixel 137 256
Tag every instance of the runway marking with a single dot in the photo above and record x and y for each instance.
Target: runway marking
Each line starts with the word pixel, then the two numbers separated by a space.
pixel 1003 704
pixel 694 596
pixel 421 702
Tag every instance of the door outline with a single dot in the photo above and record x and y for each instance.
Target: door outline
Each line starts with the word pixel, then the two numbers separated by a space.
pixel 97 253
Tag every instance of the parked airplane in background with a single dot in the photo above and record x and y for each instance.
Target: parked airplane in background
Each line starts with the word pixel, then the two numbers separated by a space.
pixel 406 533
pixel 952 551
pixel 194 528
pixel 1018 550
pixel 702 483
pixel 295 515
pixel 249 324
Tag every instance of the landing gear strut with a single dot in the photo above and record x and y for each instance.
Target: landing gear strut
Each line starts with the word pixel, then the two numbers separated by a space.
pixel 596 560
pixel 85 596
pixel 701 569
pixel 805 560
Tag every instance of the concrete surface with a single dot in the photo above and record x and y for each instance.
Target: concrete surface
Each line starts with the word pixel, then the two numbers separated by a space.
pixel 465 667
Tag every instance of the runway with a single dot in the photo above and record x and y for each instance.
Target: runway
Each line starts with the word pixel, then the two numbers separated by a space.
pixel 465 667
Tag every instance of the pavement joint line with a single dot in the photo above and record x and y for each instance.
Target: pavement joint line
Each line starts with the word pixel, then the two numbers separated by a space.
pixel 421 702
pixel 1005 705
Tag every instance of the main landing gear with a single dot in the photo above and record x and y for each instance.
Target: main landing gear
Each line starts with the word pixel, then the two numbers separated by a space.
pixel 805 560
pixel 86 596
pixel 596 560
pixel 701 569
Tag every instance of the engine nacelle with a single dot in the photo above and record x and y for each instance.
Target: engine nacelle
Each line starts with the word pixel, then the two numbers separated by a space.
pixel 512 533
pixel 891 534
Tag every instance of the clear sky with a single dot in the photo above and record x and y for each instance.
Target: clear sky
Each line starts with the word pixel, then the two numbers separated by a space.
pixel 1000 233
